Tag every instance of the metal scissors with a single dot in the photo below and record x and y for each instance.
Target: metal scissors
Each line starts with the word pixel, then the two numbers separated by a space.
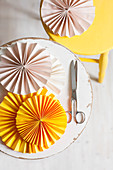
pixel 76 116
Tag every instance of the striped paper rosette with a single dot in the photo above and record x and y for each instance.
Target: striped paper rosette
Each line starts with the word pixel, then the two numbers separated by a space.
pixel 68 17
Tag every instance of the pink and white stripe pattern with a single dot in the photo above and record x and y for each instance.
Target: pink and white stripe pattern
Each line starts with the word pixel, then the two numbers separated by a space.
pixel 68 17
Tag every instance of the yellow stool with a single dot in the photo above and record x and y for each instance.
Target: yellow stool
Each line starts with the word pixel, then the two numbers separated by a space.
pixel 98 39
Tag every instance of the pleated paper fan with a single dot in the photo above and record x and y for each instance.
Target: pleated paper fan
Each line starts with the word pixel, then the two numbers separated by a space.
pixel 41 120
pixel 57 78
pixel 8 131
pixel 8 113
pixel 24 67
pixel 68 17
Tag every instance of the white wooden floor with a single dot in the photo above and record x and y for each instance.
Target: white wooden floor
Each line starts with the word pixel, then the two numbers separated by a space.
pixel 94 148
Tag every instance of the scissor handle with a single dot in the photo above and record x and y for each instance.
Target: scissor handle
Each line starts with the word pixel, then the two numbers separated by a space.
pixel 80 117
pixel 76 116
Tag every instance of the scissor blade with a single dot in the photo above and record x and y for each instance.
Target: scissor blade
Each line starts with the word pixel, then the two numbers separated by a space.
pixel 76 73
pixel 73 78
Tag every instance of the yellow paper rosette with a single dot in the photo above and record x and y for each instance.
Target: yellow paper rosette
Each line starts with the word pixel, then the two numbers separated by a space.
pixel 41 120
pixel 31 123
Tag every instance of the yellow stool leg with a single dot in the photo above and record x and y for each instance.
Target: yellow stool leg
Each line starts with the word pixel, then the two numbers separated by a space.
pixel 103 62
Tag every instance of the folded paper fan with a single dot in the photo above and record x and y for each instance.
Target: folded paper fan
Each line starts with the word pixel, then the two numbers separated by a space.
pixel 24 67
pixel 56 81
pixel 41 120
pixel 8 131
pixel 68 17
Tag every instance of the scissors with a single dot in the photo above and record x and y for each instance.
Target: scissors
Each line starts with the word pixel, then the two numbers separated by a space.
pixel 76 116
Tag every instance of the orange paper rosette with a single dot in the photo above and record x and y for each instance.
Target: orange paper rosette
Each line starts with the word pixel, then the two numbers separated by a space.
pixel 31 123
pixel 41 121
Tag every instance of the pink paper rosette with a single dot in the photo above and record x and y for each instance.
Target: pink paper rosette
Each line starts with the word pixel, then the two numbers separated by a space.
pixel 25 67
pixel 68 17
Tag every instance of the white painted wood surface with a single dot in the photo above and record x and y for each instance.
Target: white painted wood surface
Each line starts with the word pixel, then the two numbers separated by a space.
pixel 84 102
pixel 94 148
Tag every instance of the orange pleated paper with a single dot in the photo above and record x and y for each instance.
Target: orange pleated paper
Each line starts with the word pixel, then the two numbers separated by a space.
pixel 31 123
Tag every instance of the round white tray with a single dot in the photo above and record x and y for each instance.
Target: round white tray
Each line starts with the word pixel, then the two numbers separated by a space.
pixel 84 95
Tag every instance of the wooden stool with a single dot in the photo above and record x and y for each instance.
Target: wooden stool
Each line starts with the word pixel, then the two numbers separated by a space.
pixel 98 39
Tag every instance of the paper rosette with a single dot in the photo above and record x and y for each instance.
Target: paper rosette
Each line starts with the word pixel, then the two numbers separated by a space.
pixel 41 121
pixel 26 66
pixel 52 121
pixel 68 17
pixel 57 78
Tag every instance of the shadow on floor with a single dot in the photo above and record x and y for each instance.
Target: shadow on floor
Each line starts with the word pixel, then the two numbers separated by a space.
pixel 92 77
